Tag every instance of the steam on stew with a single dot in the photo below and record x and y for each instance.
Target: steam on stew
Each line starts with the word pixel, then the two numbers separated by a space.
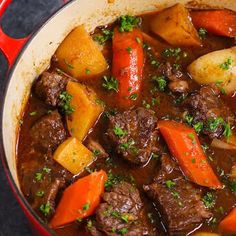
pixel 131 131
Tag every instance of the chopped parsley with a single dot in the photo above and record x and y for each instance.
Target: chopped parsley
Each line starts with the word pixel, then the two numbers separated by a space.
pixel 160 81
pixel 127 23
pixel 209 200
pixel 87 71
pixel 127 145
pixel 202 32
pixel 189 119
pixel 118 131
pixel 122 231
pixel 133 96
pixel 40 194
pixel 79 220
pixel 112 180
pixel 110 83
pixel 227 132
pixel 138 40
pixel 106 35
pixel 33 113
pixel 46 170
pixel 170 184
pixel 111 112
pixel 96 152
pixel 65 100
pixel 89 224
pixel 155 101
pixel 192 137
pixel 45 209
pixel 180 99
pixel 39 176
pixel 213 124
pixel 172 52
pixel 146 105
pixel 177 66
pixel 232 186
pixel 129 50
pixel 226 65
pixel 151 218
pixel 155 62
pixel 219 85
pixel 86 207
pixel 118 215
pixel 175 195
pixel 198 127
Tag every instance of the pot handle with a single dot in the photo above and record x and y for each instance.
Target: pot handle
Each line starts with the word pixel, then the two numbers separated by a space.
pixel 10 46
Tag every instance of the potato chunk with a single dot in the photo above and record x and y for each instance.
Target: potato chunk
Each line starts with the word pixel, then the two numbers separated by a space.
pixel 174 25
pixel 79 56
pixel 87 110
pixel 217 67
pixel 73 155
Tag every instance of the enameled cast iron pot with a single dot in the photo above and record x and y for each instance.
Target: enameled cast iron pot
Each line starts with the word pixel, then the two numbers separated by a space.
pixel 35 57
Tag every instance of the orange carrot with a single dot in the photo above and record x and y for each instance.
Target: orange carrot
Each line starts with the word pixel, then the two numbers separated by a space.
pixel 80 199
pixel 127 66
pixel 228 224
pixel 184 145
pixel 219 22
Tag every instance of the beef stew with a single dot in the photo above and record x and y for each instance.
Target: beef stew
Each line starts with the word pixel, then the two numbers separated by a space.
pixel 121 137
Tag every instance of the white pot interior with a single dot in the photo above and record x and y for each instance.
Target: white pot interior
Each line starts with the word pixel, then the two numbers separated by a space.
pixel 36 56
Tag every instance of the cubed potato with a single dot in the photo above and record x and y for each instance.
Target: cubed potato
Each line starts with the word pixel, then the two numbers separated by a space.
pixel 216 67
pixel 73 155
pixel 87 110
pixel 79 56
pixel 175 26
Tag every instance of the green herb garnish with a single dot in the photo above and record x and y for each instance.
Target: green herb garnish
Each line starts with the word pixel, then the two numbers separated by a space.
pixel 127 23
pixel 160 81
pixel 209 200
pixel 202 33
pixel 110 83
pixel 45 209
pixel 118 131
pixel 65 99
pixel 106 35
pixel 226 65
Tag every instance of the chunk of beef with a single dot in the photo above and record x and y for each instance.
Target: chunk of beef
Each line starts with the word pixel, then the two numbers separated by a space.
pixel 133 133
pixel 96 147
pixel 49 87
pixel 179 86
pixel 205 105
pixel 121 211
pixel 178 200
pixel 42 180
pixel 176 82
pixel 48 132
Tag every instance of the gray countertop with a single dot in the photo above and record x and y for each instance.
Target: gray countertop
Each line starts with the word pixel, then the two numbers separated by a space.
pixel 21 18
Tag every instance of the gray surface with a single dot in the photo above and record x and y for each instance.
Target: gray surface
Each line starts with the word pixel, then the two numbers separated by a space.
pixel 21 18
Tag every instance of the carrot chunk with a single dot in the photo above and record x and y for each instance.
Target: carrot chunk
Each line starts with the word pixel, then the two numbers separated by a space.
pixel 219 22
pixel 228 224
pixel 127 66
pixel 80 199
pixel 184 145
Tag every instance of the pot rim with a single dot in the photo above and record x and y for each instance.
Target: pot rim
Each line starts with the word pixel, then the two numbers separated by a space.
pixel 27 209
